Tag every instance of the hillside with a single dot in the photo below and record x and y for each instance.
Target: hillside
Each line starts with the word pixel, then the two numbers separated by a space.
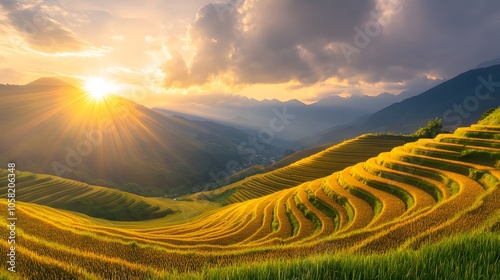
pixel 316 166
pixel 440 100
pixel 115 143
pixel 458 101
pixel 91 200
pixel 418 193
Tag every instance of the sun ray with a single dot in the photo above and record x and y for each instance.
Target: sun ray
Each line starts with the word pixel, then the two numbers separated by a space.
pixel 98 88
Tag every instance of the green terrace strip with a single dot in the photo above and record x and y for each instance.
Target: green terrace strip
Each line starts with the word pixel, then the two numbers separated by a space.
pixel 293 221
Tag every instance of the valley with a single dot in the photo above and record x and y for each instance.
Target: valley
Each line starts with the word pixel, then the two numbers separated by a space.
pixel 416 194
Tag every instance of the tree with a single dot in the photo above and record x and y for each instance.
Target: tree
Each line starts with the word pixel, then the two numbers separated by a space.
pixel 486 113
pixel 431 130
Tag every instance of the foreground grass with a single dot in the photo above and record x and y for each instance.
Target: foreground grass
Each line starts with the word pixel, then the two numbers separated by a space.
pixel 466 256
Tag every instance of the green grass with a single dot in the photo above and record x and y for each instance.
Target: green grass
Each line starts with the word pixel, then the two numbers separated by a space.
pixel 466 256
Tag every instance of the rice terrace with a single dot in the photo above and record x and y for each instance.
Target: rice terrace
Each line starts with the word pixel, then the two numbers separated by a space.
pixel 420 201
pixel 249 139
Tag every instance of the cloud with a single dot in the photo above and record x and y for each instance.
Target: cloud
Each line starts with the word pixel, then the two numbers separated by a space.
pixel 442 37
pixel 176 71
pixel 269 42
pixel 36 23
pixel 9 75
pixel 213 35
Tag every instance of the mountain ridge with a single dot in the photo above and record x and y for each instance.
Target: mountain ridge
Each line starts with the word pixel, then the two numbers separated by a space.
pixel 115 142
pixel 455 101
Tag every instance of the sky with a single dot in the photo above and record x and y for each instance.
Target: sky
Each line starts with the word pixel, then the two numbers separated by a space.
pixel 157 50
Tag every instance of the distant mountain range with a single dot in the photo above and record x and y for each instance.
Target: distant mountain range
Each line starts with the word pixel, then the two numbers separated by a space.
pixel 49 126
pixel 458 102
pixel 246 113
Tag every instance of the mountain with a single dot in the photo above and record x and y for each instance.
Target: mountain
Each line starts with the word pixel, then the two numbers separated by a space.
pixel 362 103
pixel 489 63
pixel 247 113
pixel 49 126
pixel 458 102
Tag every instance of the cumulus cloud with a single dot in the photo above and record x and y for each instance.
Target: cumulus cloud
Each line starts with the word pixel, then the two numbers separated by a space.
pixel 36 23
pixel 213 33
pixel 305 41
pixel 176 71
pixel 269 41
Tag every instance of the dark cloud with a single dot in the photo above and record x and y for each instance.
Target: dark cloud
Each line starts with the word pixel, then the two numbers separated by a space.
pixel 35 21
pixel 270 41
pixel 297 40
pixel 213 33
pixel 287 39
pixel 443 38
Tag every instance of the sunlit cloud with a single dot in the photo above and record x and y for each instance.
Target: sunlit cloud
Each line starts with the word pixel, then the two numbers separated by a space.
pixel 36 22
pixel 89 52
pixel 246 47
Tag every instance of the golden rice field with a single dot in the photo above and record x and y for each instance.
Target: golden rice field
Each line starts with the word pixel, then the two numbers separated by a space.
pixel 399 199
pixel 306 169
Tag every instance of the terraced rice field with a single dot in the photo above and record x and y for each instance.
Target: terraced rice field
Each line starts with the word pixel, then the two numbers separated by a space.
pixel 310 168
pixel 420 191
pixel 80 197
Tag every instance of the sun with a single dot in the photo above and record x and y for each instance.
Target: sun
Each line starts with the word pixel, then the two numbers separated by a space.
pixel 98 88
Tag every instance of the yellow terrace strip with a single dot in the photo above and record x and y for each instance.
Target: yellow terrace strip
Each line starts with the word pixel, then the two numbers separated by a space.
pixel 421 198
pixel 391 206
pixel 363 212
pixel 320 194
